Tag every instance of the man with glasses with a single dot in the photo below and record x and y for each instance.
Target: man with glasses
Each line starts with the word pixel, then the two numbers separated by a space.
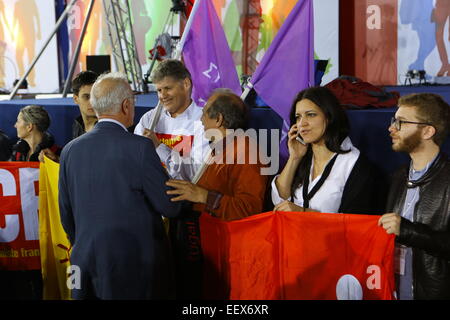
pixel 418 203
pixel 112 195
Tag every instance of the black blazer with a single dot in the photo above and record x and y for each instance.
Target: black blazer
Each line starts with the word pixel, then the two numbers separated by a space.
pixel 366 189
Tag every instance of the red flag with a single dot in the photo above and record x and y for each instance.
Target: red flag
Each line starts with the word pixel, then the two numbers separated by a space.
pixel 291 255
pixel 19 233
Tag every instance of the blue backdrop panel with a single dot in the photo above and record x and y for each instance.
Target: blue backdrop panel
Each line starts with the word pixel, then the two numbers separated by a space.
pixel 369 128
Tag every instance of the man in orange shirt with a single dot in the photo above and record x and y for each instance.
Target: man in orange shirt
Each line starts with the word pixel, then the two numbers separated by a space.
pixel 231 187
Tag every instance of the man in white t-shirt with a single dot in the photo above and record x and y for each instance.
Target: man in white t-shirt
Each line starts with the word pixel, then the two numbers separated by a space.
pixel 178 135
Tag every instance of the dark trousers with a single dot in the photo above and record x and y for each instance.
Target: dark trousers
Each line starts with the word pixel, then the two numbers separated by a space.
pixel 184 234
pixel 20 285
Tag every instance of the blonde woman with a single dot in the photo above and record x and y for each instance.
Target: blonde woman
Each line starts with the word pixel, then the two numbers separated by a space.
pixel 31 125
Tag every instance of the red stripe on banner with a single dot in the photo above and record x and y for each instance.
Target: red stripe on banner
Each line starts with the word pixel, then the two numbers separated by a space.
pixel 16 251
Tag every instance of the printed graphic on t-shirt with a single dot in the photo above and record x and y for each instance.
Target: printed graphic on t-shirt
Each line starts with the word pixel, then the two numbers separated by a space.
pixel 180 143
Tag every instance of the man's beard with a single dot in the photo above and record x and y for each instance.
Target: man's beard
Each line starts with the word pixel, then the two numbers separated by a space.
pixel 408 144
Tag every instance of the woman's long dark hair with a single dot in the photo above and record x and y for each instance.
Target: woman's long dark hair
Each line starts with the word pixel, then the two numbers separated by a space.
pixel 336 131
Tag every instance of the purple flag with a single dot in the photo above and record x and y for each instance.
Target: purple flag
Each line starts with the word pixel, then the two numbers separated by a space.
pixel 288 65
pixel 207 55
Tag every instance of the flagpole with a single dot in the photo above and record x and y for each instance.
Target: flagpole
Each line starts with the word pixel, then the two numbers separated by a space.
pixel 248 87
pixel 178 51
pixel 187 28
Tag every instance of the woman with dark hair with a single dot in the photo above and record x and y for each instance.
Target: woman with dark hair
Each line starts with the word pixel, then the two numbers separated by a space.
pixel 32 124
pixel 325 172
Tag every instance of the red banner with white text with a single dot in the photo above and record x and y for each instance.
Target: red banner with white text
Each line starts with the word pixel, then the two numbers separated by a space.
pixel 291 255
pixel 19 233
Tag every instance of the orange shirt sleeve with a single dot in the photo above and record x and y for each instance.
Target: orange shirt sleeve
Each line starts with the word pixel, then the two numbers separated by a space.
pixel 247 195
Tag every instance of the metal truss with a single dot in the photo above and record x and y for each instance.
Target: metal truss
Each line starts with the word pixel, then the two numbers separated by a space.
pixel 123 43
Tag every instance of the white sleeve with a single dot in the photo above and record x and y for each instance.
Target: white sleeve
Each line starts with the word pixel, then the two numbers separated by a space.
pixel 276 199
pixel 144 122
pixel 164 152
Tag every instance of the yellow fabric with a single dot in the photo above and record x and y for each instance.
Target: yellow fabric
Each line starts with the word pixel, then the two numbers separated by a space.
pixel 53 242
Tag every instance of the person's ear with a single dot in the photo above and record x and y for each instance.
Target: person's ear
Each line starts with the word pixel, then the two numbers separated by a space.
pixel 219 120
pixel 125 107
pixel 76 98
pixel 429 132
pixel 187 83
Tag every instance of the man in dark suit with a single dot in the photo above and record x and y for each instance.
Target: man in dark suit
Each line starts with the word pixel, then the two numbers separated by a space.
pixel 112 195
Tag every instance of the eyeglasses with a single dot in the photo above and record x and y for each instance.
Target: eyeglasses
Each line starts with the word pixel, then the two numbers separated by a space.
pixel 397 123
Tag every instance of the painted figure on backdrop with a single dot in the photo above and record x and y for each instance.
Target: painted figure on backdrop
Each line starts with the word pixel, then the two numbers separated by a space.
pixel 382 50
pixel 2 46
pixel 273 15
pixel 440 16
pixel 75 23
pixel 219 5
pixel 141 25
pixel 27 28
pixel 93 34
pixel 417 13
pixel 280 12
pixel 231 22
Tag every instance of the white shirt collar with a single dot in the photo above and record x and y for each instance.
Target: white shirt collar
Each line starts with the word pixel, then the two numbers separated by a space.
pixel 114 121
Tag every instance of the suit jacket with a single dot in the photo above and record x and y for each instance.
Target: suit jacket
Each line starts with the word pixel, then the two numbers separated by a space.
pixel 112 195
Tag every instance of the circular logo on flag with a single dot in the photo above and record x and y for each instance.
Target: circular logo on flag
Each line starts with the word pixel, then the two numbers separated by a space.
pixel 348 288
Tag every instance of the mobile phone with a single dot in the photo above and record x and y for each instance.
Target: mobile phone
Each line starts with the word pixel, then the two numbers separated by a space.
pixel 300 140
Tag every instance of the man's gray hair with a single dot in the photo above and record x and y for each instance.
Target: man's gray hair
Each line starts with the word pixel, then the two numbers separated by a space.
pixel 230 106
pixel 108 93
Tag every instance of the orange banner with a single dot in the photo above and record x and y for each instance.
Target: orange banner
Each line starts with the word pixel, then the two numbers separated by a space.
pixel 292 255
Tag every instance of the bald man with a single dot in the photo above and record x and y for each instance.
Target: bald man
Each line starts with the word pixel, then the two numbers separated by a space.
pixel 112 195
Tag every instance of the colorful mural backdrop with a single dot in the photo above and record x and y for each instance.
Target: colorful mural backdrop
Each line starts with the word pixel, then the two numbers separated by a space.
pixel 424 38
pixel 24 28
pixel 20 42
pixel 393 37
